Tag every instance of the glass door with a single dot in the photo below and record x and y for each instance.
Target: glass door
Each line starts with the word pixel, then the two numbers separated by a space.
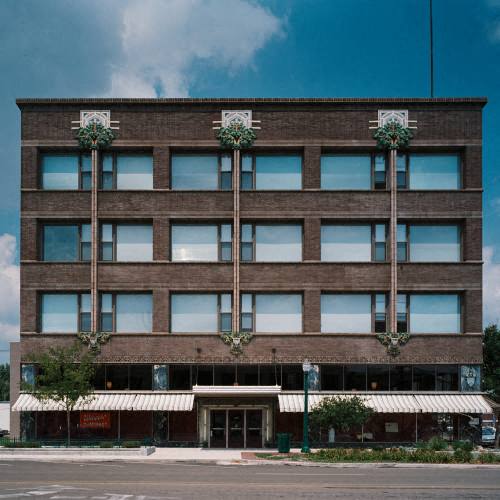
pixel 236 428
pixel 218 429
pixel 254 429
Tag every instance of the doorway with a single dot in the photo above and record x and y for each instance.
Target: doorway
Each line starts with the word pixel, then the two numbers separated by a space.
pixel 236 428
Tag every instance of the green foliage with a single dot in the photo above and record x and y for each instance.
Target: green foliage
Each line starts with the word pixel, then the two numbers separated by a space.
pixel 436 443
pixel 236 136
pixel 131 444
pixel 65 376
pixel 95 136
pixel 462 456
pixel 105 444
pixel 462 445
pixel 392 136
pixel 341 413
pixel 392 341
pixel 491 363
pixel 5 382
pixel 21 444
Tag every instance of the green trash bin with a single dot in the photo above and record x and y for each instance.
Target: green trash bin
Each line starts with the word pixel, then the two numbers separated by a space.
pixel 283 442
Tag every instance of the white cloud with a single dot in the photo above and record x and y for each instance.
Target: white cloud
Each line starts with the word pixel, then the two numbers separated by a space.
pixel 9 292
pixel 161 42
pixel 491 287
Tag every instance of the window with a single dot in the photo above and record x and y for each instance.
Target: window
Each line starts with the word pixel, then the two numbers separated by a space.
pixel 402 171
pixel 292 377
pixel 201 312
pixel 65 312
pixel 380 313
pixel 202 172
pixel 350 171
pixel 201 242
pixel 355 377
pixel 66 171
pixel 447 378
pixel 439 243
pixel 127 242
pixel 378 377
pixel 271 242
pixel 431 171
pixel 402 313
pixel 126 171
pixel 271 313
pixel 424 378
pixel 346 313
pixel 402 242
pixel 126 312
pixel 435 313
pixel 332 377
pixel 353 243
pixel 401 378
pixel 271 172
pixel 66 242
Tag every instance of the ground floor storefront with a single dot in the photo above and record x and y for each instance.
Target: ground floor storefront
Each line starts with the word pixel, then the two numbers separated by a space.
pixel 233 417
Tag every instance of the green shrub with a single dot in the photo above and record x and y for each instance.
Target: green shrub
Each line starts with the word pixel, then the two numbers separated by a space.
pixel 462 445
pixel 105 444
pixel 462 456
pixel 488 458
pixel 22 444
pixel 437 444
pixel 131 444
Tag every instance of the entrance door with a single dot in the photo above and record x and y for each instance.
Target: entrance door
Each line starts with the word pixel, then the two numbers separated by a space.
pixel 236 428
pixel 218 429
pixel 254 429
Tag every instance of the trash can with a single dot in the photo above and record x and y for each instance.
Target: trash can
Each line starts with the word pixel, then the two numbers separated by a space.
pixel 283 442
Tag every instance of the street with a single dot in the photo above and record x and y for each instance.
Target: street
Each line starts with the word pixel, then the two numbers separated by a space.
pixel 154 480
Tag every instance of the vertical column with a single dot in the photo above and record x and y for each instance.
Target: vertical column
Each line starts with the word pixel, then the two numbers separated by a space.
pixel 95 231
pixel 236 240
pixel 394 244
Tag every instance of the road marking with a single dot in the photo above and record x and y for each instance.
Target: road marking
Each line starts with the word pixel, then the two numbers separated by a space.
pixel 7 465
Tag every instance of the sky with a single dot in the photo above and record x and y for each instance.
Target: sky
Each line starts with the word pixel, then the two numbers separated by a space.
pixel 243 48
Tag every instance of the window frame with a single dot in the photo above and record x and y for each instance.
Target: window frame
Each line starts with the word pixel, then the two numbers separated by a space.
pixel 114 224
pixel 201 222
pixel 254 224
pixel 372 155
pixel 114 155
pixel 217 153
pixel 254 156
pixel 78 293
pixel 41 239
pixel 113 310
pixel 373 310
pixel 254 310
pixel 218 311
pixel 80 155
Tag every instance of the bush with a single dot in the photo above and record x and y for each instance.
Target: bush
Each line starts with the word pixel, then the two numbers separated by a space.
pixel 437 444
pixel 463 445
pixel 105 444
pixel 488 458
pixel 462 456
pixel 22 444
pixel 131 444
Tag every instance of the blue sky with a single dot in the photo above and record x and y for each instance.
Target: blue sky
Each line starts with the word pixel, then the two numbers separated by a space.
pixel 283 48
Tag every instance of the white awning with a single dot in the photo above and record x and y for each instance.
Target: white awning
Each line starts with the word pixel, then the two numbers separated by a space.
pixel 122 401
pixel 236 390
pixel 396 403
pixel 381 403
pixel 453 403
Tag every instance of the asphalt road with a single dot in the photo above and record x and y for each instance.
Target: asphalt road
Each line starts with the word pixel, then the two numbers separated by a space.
pixel 151 481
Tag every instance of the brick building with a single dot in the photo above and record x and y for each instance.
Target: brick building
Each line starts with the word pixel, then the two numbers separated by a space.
pixel 168 241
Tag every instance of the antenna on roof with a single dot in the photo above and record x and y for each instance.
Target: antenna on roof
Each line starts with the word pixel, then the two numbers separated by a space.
pixel 431 46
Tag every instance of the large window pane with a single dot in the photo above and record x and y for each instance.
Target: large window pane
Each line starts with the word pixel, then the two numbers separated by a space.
pixel 278 313
pixel 134 313
pixel 346 172
pixel 434 243
pixel 134 242
pixel 434 172
pixel 60 312
pixel 60 243
pixel 346 313
pixel 134 172
pixel 194 242
pixel 278 243
pixel 278 172
pixel 344 243
pixel 195 172
pixel 194 313
pixel 436 313
pixel 60 172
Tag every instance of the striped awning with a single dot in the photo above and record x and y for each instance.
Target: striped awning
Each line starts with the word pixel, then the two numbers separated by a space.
pixel 236 390
pixel 396 403
pixel 453 403
pixel 114 401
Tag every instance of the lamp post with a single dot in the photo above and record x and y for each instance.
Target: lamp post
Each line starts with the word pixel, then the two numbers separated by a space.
pixel 306 366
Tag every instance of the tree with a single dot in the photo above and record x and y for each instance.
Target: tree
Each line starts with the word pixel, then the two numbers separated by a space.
pixel 4 382
pixel 341 412
pixel 64 376
pixel 491 368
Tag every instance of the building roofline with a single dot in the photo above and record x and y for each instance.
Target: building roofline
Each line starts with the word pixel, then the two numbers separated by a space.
pixel 253 100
